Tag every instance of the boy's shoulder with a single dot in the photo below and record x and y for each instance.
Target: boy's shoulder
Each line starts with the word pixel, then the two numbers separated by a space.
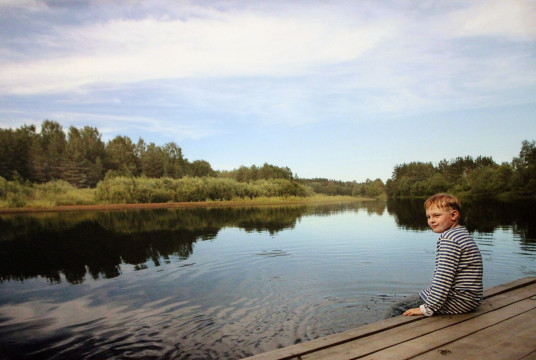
pixel 457 233
pixel 460 236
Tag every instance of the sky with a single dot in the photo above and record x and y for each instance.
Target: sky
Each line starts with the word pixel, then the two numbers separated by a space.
pixel 343 90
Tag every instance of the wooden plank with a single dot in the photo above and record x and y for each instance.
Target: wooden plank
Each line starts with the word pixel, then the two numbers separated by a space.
pixel 499 289
pixel 500 296
pixel 506 298
pixel 531 356
pixel 394 336
pixel 511 339
pixel 295 351
pixel 440 338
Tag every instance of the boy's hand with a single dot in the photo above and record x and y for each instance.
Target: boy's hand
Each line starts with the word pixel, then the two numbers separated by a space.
pixel 413 312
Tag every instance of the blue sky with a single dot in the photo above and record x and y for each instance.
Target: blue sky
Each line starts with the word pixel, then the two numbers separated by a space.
pixel 342 89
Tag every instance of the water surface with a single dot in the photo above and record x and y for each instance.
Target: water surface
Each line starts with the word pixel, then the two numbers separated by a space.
pixel 225 283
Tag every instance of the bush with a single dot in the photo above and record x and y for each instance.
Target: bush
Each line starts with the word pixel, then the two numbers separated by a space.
pixel 16 200
pixel 15 193
pixel 187 189
pixel 118 190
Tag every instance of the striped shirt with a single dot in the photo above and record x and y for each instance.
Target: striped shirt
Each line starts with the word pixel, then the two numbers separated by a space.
pixel 457 282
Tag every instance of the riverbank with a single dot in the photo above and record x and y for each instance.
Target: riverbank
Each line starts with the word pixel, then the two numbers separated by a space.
pixel 171 205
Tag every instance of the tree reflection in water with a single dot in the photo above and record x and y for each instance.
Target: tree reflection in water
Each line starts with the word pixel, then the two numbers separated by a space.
pixel 98 243
pixel 482 216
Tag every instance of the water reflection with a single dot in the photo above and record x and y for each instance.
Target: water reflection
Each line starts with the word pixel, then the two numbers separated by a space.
pixel 97 243
pixel 481 216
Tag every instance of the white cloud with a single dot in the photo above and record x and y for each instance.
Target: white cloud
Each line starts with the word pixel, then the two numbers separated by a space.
pixel 512 18
pixel 31 5
pixel 240 44
pixel 303 64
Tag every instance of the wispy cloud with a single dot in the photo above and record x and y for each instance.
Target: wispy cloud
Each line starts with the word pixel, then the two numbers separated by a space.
pixel 225 44
pixel 413 59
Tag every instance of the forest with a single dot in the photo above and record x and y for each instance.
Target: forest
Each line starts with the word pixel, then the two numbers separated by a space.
pixel 81 167
pixel 54 167
pixel 465 176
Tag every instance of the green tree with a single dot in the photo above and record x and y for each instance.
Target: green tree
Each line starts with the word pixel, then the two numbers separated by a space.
pixel 436 183
pixel 374 188
pixel 410 179
pixel 524 177
pixel 83 165
pixel 120 156
pixel 15 154
pixel 48 152
pixel 175 165
pixel 152 161
pixel 482 182
pixel 201 168
pixel 268 171
pixel 254 173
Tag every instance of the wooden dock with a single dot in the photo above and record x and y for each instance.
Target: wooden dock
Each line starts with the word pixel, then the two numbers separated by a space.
pixel 502 328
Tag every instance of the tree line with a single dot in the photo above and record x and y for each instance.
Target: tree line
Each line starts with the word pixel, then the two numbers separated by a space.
pixel 479 177
pixel 47 166
pixel 81 158
pixel 368 188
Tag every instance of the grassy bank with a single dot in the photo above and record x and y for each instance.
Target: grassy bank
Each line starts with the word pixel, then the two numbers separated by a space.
pixel 316 199
pixel 124 193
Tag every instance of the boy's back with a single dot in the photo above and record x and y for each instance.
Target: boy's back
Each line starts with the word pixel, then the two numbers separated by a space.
pixel 457 281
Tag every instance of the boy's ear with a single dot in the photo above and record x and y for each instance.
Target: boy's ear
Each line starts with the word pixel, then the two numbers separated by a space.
pixel 455 214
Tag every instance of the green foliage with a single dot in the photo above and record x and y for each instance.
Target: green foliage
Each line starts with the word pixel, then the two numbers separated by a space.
pixel 14 193
pixel 120 156
pixel 369 188
pixel 15 154
pixel 477 178
pixel 201 168
pixel 254 173
pixel 83 164
pixel 60 192
pixel 123 189
pixel 82 159
pixel 524 178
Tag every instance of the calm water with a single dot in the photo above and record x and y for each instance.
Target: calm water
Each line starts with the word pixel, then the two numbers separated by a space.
pixel 225 283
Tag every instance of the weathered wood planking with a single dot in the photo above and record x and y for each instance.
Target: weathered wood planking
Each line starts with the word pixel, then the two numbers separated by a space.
pixel 430 338
pixel 510 339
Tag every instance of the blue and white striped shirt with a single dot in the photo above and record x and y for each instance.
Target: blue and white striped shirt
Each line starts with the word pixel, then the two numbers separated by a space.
pixel 457 282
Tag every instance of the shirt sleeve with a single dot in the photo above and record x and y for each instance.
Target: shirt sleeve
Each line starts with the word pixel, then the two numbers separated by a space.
pixel 448 257
pixel 425 311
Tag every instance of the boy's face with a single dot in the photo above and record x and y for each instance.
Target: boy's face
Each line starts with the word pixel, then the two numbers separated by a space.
pixel 440 220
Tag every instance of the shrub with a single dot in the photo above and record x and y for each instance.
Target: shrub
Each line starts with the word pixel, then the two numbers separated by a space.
pixel 187 189
pixel 15 193
pixel 15 200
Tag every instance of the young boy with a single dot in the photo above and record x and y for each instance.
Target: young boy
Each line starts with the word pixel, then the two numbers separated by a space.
pixel 457 281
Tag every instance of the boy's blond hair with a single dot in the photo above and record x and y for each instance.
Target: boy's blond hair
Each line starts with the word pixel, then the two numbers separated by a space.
pixel 443 201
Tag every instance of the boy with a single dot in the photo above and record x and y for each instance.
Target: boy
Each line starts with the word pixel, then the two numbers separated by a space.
pixel 457 281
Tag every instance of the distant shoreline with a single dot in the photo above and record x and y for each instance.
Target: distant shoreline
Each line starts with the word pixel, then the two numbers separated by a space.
pixel 179 205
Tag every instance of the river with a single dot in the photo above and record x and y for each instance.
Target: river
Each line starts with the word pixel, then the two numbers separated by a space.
pixel 225 283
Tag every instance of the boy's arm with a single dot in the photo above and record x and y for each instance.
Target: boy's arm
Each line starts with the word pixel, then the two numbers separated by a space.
pixel 448 256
